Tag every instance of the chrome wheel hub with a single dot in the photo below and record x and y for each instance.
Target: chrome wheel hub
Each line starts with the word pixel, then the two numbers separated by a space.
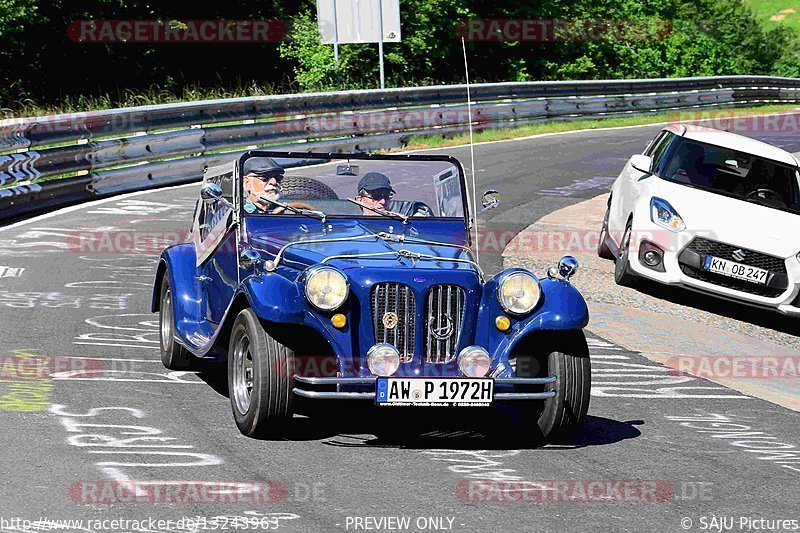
pixel 242 374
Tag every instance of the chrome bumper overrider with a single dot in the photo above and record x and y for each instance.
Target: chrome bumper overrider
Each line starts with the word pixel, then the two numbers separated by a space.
pixel 340 395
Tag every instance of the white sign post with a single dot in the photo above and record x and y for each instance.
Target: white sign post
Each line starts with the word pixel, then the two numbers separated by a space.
pixel 359 21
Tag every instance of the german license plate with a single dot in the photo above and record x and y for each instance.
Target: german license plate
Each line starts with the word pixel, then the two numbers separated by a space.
pixel 735 270
pixel 434 392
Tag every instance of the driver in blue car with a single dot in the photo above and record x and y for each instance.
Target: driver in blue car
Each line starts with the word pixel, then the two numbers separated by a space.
pixel 262 179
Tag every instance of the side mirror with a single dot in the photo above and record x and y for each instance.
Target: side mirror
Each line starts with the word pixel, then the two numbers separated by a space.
pixel 490 200
pixel 249 258
pixel 211 193
pixel 642 163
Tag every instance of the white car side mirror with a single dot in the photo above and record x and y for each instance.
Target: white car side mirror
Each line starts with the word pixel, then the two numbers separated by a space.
pixel 642 163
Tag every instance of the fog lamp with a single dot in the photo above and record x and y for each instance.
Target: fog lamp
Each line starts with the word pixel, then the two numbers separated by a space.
pixel 383 359
pixel 474 362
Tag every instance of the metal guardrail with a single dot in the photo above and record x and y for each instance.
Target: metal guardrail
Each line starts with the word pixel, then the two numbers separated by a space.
pixel 101 153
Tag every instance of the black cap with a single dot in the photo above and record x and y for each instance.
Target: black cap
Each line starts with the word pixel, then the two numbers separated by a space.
pixel 262 166
pixel 372 181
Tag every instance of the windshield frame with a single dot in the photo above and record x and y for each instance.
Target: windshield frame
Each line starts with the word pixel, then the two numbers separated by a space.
pixel 330 157
pixel 679 140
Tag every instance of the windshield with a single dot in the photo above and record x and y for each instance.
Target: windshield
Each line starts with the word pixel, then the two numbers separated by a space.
pixel 735 174
pixel 352 188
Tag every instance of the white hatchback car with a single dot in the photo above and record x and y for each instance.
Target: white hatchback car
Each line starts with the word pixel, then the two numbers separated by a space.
pixel 711 211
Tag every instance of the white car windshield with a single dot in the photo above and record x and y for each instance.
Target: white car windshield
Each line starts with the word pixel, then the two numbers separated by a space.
pixel 735 174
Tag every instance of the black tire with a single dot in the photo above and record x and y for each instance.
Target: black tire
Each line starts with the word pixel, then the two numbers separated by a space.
pixel 560 418
pixel 173 355
pixel 622 270
pixel 602 248
pixel 262 406
pixel 301 188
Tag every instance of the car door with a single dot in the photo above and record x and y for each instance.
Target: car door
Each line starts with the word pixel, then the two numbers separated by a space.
pixel 216 242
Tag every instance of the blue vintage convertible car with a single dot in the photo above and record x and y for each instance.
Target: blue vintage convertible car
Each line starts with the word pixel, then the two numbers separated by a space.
pixel 352 277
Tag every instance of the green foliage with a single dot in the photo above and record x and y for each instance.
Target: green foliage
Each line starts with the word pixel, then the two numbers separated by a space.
pixel 643 39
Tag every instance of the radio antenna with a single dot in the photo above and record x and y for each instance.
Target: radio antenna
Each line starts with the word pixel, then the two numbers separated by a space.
pixel 471 155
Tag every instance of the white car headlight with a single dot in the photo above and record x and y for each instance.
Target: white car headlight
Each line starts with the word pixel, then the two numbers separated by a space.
pixel 664 215
pixel 326 288
pixel 519 292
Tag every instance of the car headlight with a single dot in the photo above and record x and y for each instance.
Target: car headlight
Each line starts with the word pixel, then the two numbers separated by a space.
pixel 519 292
pixel 326 288
pixel 664 215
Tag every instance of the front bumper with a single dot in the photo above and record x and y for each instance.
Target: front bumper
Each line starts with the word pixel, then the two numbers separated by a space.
pixel 677 258
pixel 505 385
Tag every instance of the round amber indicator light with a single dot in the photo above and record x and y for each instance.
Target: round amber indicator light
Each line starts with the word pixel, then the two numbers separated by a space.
pixel 502 323
pixel 338 320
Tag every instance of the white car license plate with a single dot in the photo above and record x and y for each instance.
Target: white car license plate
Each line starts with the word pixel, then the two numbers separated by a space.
pixel 473 392
pixel 735 270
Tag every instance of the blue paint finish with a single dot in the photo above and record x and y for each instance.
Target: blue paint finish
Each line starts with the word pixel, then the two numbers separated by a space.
pixel 222 269
pixel 187 295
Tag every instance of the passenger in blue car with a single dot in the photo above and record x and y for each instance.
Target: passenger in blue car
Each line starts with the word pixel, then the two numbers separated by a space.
pixel 262 179
pixel 374 190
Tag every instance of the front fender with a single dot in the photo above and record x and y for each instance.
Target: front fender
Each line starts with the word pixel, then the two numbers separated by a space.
pixel 561 308
pixel 279 300
pixel 274 298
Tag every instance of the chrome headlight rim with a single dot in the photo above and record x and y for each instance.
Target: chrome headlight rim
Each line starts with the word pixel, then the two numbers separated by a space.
pixel 504 277
pixel 383 346
pixel 315 270
pixel 473 351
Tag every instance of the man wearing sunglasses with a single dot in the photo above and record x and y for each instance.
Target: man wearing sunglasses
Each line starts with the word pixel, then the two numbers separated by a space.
pixel 262 179
pixel 374 190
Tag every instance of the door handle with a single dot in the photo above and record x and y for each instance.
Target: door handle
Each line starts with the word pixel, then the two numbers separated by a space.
pixel 202 279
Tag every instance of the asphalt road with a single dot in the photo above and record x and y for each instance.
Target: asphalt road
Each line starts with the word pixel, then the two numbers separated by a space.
pixel 660 452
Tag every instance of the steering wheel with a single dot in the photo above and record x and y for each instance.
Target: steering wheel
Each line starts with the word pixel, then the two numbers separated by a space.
pixel 766 194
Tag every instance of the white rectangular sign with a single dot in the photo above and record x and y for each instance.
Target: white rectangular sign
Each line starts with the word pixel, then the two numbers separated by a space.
pixel 357 21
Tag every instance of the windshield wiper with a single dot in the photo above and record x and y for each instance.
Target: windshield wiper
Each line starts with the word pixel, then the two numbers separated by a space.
pixel 390 214
pixel 311 213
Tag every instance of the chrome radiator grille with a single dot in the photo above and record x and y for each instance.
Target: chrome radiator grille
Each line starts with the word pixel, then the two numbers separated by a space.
pixel 393 313
pixel 444 315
